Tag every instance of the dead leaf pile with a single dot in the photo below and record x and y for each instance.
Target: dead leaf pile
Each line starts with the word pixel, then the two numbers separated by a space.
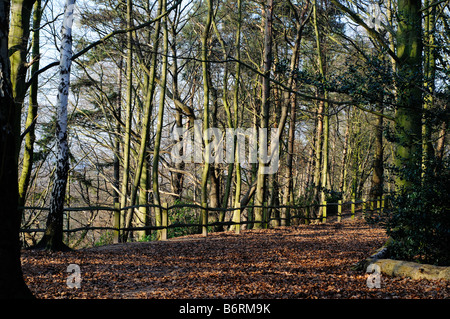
pixel 287 262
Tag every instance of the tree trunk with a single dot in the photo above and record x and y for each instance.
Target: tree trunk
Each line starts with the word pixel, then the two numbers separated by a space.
pixel 205 69
pixel 344 169
pixel 261 187
pixel 377 176
pixel 429 85
pixel 214 171
pixel 53 236
pixel 155 165
pixel 326 127
pixel 215 187
pixel 355 151
pixel 144 186
pixel 142 155
pixel 27 165
pixel 18 50
pixel 237 194
pixel 177 178
pixel 408 116
pixel 318 152
pixel 128 114
pixel 440 147
pixel 116 159
pixel 12 284
pixel 291 100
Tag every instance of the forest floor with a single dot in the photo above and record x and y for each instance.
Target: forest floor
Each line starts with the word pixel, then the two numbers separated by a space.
pixel 311 261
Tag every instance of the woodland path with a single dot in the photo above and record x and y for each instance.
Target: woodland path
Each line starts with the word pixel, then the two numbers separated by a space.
pixel 311 261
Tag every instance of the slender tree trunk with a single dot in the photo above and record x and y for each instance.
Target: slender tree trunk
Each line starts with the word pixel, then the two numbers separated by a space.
pixel 128 114
pixel 144 187
pixel 214 173
pixel 378 176
pixel 238 178
pixel 311 165
pixel 214 185
pixel 322 92
pixel 18 49
pixel 291 100
pixel 142 155
pixel 289 192
pixel 27 165
pixel 440 147
pixel 116 159
pixel 53 236
pixel 157 146
pixel 176 178
pixel 356 155
pixel 429 85
pixel 344 169
pixel 145 180
pixel 261 187
pixel 205 69
pixel 12 284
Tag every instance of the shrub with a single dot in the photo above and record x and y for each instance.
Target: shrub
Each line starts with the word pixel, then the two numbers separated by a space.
pixel 419 220
pixel 182 215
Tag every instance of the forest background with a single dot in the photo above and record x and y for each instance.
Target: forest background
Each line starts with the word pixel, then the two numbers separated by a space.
pixel 357 90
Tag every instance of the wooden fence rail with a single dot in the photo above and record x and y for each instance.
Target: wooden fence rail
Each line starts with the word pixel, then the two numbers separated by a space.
pixel 368 205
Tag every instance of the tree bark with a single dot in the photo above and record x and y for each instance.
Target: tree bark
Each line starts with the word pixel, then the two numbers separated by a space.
pixel 408 116
pixel 18 49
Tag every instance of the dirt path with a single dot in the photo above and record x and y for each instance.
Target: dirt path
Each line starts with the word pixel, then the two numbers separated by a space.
pixel 287 262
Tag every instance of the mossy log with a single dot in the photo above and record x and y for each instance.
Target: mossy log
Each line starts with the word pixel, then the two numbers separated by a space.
pixel 412 270
pixel 401 268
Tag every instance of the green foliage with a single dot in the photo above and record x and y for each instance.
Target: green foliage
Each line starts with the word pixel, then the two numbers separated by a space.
pixel 181 215
pixel 106 238
pixel 419 220
pixel 146 238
